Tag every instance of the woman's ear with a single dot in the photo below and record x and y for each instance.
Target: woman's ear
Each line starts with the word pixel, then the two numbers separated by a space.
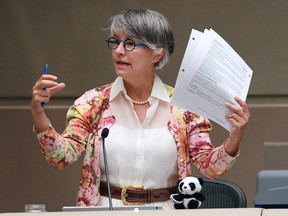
pixel 158 55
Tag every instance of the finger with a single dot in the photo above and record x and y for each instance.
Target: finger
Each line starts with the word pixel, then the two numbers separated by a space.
pixel 234 108
pixel 236 121
pixel 47 84
pixel 245 110
pixel 40 95
pixel 56 88
pixel 46 94
pixel 48 77
pixel 242 104
pixel 37 98
pixel 239 100
pixel 241 110
pixel 44 79
pixel 239 115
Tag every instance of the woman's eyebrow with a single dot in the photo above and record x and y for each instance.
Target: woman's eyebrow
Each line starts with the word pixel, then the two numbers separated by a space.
pixel 126 37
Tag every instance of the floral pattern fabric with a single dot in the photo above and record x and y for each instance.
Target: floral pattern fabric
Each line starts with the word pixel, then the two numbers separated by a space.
pixel 90 114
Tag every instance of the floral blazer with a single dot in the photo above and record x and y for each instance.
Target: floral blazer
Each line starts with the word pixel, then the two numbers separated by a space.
pixel 90 114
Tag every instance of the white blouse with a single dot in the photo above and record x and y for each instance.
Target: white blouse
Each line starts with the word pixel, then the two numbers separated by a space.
pixel 140 154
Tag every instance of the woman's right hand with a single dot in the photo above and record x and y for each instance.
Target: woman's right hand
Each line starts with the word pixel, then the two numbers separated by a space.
pixel 40 95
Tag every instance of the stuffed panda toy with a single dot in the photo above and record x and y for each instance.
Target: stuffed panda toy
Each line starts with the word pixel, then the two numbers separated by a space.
pixel 189 196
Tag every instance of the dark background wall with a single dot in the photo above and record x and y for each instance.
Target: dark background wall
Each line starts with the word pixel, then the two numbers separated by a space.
pixel 70 35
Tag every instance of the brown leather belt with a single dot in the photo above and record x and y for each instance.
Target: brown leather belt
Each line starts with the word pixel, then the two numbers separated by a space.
pixel 137 195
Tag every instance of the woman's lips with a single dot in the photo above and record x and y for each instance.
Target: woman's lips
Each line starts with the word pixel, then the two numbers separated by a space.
pixel 122 63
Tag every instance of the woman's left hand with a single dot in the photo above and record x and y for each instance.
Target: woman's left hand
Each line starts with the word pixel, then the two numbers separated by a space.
pixel 239 119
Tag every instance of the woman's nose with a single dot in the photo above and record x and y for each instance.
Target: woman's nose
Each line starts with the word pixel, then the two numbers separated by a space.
pixel 120 48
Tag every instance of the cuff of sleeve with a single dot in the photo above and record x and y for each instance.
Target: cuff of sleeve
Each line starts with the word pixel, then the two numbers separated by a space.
pixel 225 155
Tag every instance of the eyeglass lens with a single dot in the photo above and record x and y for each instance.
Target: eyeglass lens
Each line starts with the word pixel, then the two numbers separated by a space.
pixel 113 43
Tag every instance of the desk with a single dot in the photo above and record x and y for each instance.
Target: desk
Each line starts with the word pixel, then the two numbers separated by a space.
pixel 275 212
pixel 184 212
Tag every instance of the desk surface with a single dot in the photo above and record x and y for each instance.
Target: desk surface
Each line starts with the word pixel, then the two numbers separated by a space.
pixel 275 212
pixel 184 212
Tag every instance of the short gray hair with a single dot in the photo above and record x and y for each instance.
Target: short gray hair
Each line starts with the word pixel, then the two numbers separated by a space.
pixel 149 26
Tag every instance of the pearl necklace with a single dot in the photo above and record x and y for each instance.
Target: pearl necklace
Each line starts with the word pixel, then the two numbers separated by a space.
pixel 140 102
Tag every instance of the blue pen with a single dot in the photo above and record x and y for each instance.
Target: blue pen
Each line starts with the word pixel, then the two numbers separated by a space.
pixel 44 88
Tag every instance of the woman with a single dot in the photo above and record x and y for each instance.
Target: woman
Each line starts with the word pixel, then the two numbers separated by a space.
pixel 151 142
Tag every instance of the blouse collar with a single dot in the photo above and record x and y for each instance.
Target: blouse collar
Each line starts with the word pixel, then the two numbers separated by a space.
pixel 158 89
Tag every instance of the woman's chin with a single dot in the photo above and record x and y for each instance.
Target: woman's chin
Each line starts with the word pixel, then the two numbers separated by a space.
pixel 121 73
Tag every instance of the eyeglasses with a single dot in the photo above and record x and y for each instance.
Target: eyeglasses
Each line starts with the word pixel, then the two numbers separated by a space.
pixel 129 44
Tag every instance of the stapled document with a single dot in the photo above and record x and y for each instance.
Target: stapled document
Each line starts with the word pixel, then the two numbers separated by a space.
pixel 211 73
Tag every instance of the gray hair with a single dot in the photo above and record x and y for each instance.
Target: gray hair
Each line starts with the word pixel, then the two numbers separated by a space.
pixel 149 26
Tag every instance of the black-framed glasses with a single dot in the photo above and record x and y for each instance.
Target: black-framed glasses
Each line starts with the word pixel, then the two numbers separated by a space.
pixel 129 44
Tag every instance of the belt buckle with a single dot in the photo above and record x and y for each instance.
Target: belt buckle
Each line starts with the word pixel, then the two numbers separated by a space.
pixel 124 194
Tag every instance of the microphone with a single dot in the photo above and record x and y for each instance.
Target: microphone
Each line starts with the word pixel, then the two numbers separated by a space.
pixel 104 134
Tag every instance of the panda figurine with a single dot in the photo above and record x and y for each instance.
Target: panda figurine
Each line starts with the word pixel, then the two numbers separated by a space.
pixel 189 196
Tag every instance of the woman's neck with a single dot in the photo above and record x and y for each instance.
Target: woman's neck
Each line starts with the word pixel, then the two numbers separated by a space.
pixel 139 90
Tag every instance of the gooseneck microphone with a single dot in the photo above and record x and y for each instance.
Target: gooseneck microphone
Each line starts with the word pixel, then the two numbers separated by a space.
pixel 104 134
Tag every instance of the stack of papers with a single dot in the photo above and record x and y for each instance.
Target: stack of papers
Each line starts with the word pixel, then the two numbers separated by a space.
pixel 211 74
